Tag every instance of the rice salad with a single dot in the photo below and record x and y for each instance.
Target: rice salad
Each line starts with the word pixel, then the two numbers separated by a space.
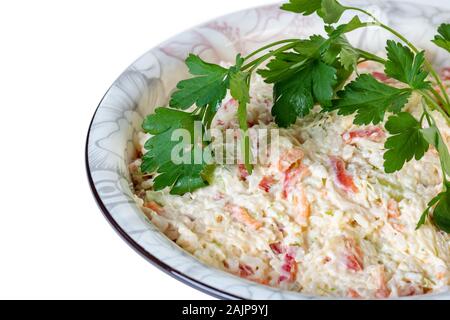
pixel 323 218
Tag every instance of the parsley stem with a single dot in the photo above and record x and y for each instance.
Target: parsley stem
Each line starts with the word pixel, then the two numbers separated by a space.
pixel 430 101
pixel 432 123
pixel 412 46
pixel 257 62
pixel 370 56
pixel 441 100
pixel 251 55
pixel 242 116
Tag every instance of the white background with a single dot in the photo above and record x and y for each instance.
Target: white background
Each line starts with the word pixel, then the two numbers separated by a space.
pixel 57 59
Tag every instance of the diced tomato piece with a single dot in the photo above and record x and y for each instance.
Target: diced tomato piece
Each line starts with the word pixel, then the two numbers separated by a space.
pixel 152 205
pixel 243 173
pixel 342 177
pixel 372 133
pixel 276 247
pixel 266 183
pixel 353 256
pixel 381 76
pixel 245 270
pixel 242 215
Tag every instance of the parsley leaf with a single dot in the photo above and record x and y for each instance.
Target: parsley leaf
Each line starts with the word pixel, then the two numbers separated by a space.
pixel 306 7
pixel 426 213
pixel 406 67
pixel 406 142
pixel 181 178
pixel 329 10
pixel 348 55
pixel 350 26
pixel 209 87
pixel 292 99
pixel 286 64
pixel 283 66
pixel 295 96
pixel 443 39
pixel 441 213
pixel 370 99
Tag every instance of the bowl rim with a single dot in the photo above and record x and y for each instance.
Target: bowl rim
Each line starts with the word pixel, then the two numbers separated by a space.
pixel 158 263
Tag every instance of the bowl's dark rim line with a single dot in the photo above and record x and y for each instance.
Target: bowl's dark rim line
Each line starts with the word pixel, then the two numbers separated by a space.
pixel 196 284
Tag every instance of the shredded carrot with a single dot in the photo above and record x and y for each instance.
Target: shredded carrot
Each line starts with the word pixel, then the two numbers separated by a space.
pixel 152 205
pixel 303 207
pixel 242 215
pixel 393 209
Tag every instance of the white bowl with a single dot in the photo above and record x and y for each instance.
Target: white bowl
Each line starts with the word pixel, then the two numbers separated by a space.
pixel 147 83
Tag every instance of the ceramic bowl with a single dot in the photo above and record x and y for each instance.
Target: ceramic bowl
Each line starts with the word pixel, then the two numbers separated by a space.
pixel 147 84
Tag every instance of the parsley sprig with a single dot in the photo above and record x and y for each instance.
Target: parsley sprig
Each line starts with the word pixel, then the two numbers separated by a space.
pixel 305 73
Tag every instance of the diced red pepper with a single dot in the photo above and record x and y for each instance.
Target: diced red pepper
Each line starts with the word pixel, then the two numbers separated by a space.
pixel 245 270
pixel 266 183
pixel 381 76
pixel 372 133
pixel 342 177
pixel 292 176
pixel 407 291
pixel 276 247
pixel 353 256
pixel 243 173
pixel 230 103
pixel 353 294
pixel 290 267
pixel 353 263
pixel 383 291
pixel 445 73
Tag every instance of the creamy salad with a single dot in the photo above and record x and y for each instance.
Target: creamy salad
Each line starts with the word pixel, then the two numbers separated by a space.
pixel 323 218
